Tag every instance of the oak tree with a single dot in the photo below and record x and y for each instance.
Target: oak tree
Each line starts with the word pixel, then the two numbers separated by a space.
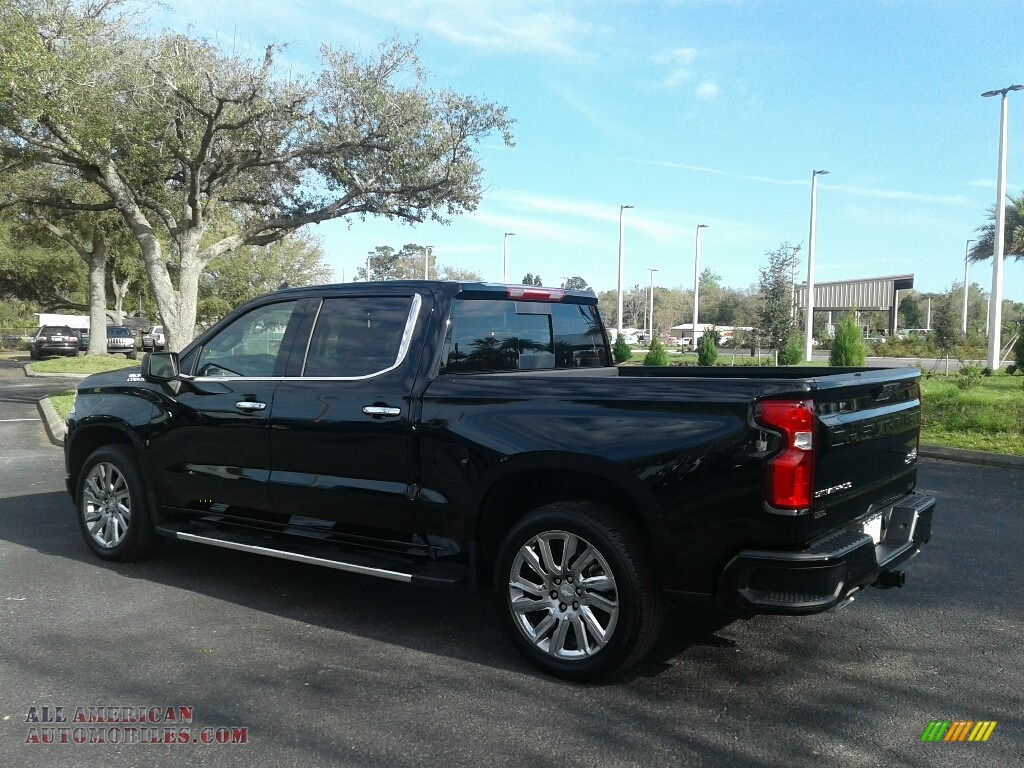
pixel 180 135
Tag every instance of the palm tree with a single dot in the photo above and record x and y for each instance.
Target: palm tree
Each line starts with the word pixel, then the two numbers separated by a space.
pixel 1013 243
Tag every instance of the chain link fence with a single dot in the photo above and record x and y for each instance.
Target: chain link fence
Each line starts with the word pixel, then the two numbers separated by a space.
pixel 16 338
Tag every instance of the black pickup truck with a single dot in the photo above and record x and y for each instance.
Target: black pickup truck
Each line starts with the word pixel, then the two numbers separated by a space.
pixel 470 433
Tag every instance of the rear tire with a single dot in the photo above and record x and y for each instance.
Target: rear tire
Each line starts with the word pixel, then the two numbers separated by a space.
pixel 113 511
pixel 576 590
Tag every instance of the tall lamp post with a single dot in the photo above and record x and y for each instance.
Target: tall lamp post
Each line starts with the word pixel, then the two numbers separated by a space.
pixel 809 330
pixel 696 281
pixel 995 312
pixel 621 209
pixel 967 264
pixel 504 257
pixel 650 335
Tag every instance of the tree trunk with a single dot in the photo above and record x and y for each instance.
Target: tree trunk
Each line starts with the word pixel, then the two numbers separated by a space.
pixel 97 297
pixel 120 291
pixel 166 297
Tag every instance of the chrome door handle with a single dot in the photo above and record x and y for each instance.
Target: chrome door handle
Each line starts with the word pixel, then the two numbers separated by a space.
pixel 381 410
pixel 249 405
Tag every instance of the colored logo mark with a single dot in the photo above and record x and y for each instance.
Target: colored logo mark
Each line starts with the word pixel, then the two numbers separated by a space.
pixel 958 730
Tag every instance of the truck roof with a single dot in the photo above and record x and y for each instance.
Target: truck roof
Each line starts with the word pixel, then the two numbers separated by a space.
pixel 470 289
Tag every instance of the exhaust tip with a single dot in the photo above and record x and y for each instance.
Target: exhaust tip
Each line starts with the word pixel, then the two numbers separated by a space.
pixel 890 579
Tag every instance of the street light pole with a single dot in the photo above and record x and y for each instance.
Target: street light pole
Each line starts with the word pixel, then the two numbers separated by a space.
pixel 504 270
pixel 995 318
pixel 650 334
pixel 809 330
pixel 696 281
pixel 621 209
pixel 967 264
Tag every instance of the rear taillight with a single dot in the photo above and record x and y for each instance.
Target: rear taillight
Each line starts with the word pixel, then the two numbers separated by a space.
pixel 789 474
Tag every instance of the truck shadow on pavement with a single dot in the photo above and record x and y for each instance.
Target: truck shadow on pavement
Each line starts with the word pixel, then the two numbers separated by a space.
pixel 461 624
pixel 399 666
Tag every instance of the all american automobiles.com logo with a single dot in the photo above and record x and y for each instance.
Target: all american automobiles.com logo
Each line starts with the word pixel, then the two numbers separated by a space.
pixel 51 724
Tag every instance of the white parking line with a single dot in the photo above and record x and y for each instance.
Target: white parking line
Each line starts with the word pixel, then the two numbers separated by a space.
pixel 19 419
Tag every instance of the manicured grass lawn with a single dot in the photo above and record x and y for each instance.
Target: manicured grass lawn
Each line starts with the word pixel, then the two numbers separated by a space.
pixel 61 402
pixel 989 417
pixel 86 364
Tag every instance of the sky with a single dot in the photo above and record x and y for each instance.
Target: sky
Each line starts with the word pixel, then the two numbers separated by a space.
pixel 694 112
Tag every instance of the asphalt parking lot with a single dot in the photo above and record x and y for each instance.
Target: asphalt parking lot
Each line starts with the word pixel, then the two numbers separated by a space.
pixel 322 668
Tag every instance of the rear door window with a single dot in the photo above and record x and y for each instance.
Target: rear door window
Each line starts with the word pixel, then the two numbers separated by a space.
pixel 359 336
pixel 495 335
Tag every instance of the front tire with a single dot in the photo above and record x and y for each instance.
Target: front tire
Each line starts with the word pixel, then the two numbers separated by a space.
pixel 576 590
pixel 113 511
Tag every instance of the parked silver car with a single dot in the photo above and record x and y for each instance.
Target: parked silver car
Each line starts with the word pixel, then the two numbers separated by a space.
pixel 120 340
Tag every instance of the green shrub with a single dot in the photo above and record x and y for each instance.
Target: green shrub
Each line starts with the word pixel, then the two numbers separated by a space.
pixel 848 345
pixel 621 351
pixel 792 353
pixel 707 352
pixel 968 376
pixel 1018 351
pixel 657 354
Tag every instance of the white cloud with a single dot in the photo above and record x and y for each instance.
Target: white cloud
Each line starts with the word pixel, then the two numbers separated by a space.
pixel 683 56
pixel 611 125
pixel 956 201
pixel 707 91
pixel 678 63
pixel 524 26
pixel 528 209
pixel 676 78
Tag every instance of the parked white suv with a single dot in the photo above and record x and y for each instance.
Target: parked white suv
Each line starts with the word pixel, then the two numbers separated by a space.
pixel 120 340
pixel 153 339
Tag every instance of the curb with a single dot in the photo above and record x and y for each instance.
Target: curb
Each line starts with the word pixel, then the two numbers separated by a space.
pixel 55 427
pixel 27 368
pixel 966 456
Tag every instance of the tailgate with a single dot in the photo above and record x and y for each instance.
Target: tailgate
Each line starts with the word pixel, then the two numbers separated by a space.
pixel 866 445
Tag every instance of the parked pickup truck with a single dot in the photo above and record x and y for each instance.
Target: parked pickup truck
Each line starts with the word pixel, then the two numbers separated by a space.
pixel 468 433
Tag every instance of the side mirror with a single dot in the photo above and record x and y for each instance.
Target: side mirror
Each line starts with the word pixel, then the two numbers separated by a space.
pixel 160 366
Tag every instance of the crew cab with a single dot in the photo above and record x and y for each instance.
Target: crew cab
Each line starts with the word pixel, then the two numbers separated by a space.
pixel 450 434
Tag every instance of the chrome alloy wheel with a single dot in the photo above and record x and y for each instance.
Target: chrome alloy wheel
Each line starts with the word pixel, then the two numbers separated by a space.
pixel 106 505
pixel 563 596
